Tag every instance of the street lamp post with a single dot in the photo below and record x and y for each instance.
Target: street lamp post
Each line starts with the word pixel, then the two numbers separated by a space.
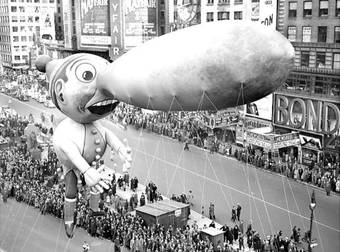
pixel 312 206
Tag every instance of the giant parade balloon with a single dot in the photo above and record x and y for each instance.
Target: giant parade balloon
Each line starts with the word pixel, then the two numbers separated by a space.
pixel 209 66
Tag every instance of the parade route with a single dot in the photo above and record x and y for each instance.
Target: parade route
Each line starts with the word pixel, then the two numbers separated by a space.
pixel 271 201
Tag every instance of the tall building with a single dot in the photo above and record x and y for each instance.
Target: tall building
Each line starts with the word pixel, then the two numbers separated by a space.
pixel 309 103
pixel 24 25
pixel 263 11
pixel 109 28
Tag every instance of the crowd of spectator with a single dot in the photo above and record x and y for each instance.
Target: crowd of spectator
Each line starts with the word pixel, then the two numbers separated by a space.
pixel 36 183
pixel 186 128
pixel 316 174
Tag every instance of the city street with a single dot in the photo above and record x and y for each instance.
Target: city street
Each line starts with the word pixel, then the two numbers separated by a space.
pixel 271 201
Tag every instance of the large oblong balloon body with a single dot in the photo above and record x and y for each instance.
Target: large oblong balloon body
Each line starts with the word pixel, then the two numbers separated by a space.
pixel 204 67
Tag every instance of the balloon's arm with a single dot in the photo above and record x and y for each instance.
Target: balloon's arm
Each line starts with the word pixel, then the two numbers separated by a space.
pixel 114 142
pixel 71 152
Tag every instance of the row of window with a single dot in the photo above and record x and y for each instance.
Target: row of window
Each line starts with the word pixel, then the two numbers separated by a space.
pixel 22 38
pixel 5 48
pixel 6 57
pixel 307 34
pixel 24 28
pixel 3 9
pixel 320 60
pixel 4 29
pixel 224 15
pixel 23 57
pixel 15 8
pixel 227 2
pixel 33 1
pixel 23 48
pixel 5 39
pixel 22 19
pixel 308 9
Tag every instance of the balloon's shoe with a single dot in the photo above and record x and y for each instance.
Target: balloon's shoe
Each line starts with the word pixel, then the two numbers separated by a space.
pixel 69 226
pixel 69 208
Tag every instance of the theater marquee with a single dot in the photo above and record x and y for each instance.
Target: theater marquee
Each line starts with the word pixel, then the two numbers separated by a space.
pixel 307 114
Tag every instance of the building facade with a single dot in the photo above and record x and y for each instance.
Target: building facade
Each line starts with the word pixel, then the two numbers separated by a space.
pixel 109 28
pixel 24 24
pixel 309 103
pixel 263 11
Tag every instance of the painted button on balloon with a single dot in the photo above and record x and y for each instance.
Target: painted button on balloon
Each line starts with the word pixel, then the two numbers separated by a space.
pixel 94 163
pixel 94 131
pixel 98 150
pixel 97 141
pixel 97 157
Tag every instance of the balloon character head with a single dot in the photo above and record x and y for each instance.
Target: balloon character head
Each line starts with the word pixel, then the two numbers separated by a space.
pixel 73 87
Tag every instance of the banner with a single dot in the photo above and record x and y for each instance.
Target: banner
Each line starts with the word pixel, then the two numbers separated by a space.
pixel 140 21
pixel 94 18
pixel 219 120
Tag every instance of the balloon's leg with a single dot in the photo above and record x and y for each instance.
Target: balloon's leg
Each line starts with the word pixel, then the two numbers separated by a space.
pixel 70 203
pixel 69 208
pixel 94 201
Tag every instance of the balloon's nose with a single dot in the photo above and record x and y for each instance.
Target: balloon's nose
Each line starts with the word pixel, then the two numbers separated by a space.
pixel 107 85
pixel 46 64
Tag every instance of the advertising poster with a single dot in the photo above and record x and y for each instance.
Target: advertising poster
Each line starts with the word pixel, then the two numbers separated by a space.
pixel 47 29
pixel 261 108
pixel 268 13
pixel 94 17
pixel 184 13
pixel 140 21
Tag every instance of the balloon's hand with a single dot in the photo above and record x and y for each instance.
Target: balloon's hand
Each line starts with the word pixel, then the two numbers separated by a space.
pixel 106 173
pixel 91 176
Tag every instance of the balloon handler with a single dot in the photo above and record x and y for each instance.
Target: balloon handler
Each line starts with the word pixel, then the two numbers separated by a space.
pixel 180 71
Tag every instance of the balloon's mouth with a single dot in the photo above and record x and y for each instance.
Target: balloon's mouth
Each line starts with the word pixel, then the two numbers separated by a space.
pixel 103 107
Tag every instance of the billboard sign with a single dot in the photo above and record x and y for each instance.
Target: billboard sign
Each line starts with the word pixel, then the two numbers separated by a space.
pixel 261 108
pixel 67 24
pixel 307 114
pixel 268 12
pixel 184 13
pixel 94 19
pixel 47 29
pixel 116 28
pixel 140 19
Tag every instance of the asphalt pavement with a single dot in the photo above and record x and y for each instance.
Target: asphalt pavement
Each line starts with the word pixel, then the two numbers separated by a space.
pixel 272 202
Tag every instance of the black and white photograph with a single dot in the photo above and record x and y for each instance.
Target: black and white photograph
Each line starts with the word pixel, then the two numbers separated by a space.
pixel 169 125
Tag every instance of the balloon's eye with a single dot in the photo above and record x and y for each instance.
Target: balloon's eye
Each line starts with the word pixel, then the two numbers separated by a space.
pixel 85 72
pixel 87 75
